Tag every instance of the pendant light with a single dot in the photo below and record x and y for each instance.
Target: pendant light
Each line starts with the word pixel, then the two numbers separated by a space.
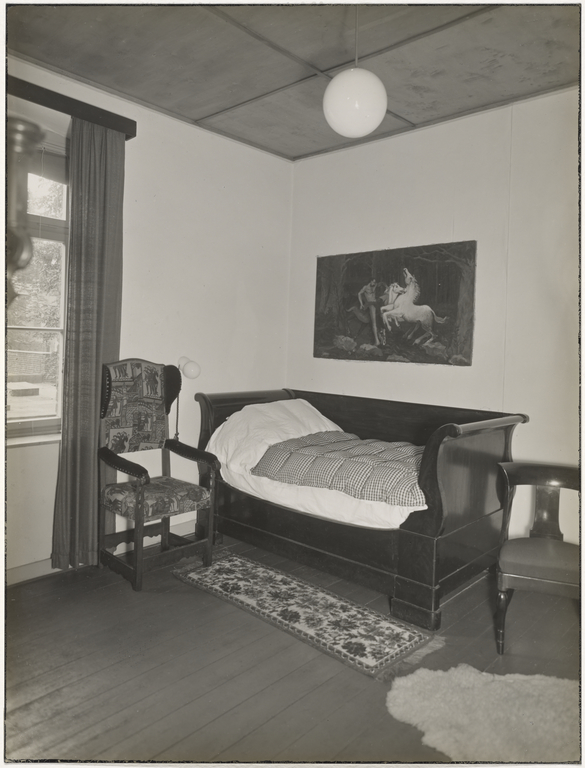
pixel 355 100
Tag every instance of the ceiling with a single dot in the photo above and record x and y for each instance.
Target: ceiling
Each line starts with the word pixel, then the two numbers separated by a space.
pixel 257 73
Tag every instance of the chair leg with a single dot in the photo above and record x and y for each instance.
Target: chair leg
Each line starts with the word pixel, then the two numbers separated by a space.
pixel 101 529
pixel 205 529
pixel 164 536
pixel 503 600
pixel 138 554
pixel 101 535
pixel 208 554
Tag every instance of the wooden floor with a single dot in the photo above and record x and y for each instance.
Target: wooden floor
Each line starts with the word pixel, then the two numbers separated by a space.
pixel 97 672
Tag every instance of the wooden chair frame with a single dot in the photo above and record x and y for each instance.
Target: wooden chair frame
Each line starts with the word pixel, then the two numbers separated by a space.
pixel 548 480
pixel 134 564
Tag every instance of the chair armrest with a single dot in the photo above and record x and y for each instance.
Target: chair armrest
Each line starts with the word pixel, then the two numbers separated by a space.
pixel 541 474
pixel 194 454
pixel 123 465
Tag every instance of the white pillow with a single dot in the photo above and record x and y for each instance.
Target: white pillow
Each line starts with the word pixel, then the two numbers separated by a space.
pixel 242 440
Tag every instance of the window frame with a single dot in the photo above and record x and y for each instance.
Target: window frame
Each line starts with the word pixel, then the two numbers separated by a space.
pixel 52 165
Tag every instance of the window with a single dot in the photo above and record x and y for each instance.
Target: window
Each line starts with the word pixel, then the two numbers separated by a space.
pixel 35 320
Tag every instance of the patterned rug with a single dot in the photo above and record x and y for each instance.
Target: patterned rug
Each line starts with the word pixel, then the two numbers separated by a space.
pixel 362 638
pixel 479 717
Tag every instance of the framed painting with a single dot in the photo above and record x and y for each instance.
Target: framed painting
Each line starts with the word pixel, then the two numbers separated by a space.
pixel 408 305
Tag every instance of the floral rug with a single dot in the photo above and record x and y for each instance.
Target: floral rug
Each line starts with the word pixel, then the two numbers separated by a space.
pixel 358 636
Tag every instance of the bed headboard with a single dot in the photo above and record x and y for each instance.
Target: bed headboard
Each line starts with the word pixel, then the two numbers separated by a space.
pixel 216 408
pixel 390 420
pixel 364 416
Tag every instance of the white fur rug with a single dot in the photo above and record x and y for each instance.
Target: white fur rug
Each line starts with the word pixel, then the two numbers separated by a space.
pixel 474 716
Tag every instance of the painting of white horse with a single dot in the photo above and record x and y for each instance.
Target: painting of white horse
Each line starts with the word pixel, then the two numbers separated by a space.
pixel 405 310
pixel 407 305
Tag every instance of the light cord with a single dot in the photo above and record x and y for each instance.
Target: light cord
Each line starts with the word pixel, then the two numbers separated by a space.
pixel 177 427
pixel 356 36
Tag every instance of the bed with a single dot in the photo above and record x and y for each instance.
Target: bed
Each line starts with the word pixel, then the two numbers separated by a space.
pixel 421 556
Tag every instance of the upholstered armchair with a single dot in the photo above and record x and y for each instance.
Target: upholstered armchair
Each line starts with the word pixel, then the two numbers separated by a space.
pixel 137 396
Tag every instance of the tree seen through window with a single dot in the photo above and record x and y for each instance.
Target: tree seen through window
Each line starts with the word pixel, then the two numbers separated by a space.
pixel 36 317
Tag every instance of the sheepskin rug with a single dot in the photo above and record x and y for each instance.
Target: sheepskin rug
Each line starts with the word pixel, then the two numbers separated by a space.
pixel 474 716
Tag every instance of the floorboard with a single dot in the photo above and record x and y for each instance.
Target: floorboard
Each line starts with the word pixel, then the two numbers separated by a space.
pixel 280 730
pixel 175 735
pixel 140 687
pixel 207 742
pixel 98 672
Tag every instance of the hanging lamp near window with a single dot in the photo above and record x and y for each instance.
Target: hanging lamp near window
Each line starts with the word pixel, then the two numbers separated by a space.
pixel 355 100
pixel 22 138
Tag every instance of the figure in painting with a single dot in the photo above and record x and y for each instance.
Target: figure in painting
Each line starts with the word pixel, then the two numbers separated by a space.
pixel 367 300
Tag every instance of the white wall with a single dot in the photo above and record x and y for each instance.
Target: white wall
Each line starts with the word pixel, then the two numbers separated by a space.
pixel 31 477
pixel 506 178
pixel 541 353
pixel 206 245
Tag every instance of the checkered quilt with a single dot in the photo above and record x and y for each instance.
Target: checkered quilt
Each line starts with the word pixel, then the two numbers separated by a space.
pixel 372 470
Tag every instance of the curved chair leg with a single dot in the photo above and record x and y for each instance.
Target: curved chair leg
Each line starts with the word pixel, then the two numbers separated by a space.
pixel 503 601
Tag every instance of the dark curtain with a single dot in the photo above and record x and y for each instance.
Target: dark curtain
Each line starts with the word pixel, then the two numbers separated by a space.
pixel 96 182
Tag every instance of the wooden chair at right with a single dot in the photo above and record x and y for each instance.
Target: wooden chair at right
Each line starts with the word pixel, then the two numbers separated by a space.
pixel 541 562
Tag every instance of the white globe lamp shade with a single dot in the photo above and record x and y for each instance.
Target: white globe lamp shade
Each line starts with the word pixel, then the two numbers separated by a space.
pixel 355 102
pixel 191 369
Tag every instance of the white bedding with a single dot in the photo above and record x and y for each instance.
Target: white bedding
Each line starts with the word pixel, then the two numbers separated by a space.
pixel 241 441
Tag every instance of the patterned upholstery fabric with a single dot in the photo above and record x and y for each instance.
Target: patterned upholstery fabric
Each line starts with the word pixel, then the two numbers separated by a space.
pixel 135 419
pixel 162 496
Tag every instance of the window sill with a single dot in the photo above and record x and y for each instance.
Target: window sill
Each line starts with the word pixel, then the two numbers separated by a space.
pixel 15 442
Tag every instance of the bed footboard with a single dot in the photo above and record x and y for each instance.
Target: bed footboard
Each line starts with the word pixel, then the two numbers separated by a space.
pixel 457 537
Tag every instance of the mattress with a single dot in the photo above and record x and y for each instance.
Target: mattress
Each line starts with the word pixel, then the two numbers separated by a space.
pixel 241 441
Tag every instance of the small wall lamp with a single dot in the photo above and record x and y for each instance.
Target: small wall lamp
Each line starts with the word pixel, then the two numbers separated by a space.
pixel 189 368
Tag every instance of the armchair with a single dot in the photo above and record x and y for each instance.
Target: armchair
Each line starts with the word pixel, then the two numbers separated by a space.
pixel 136 400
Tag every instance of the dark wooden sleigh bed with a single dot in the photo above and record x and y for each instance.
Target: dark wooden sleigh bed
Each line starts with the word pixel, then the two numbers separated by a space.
pixel 435 550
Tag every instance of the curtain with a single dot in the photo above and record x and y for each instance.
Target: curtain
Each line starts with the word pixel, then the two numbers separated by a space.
pixel 94 302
